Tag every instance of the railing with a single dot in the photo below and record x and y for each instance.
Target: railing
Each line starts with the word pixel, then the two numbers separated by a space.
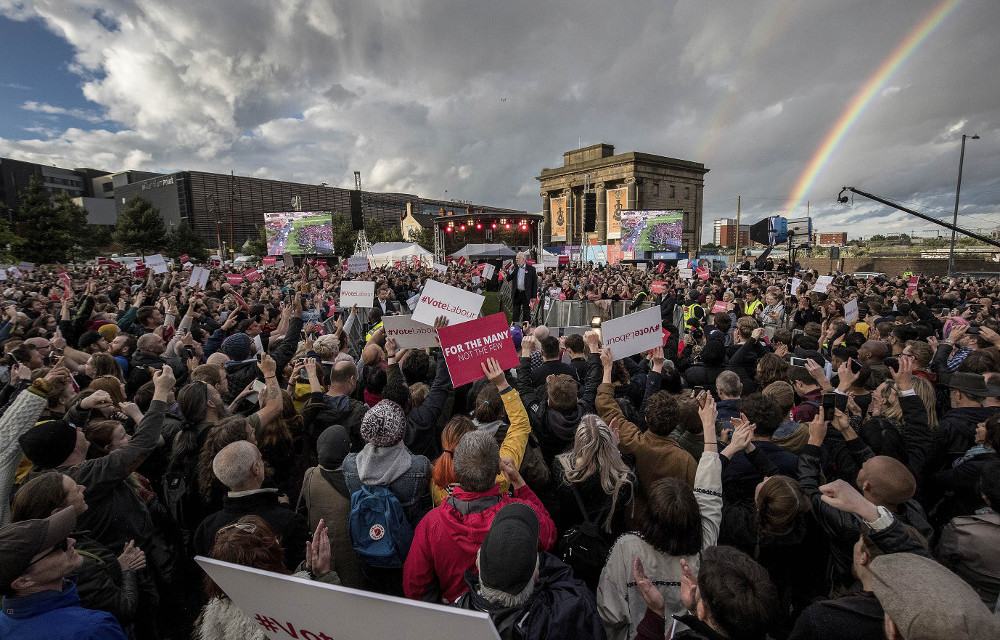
pixel 576 313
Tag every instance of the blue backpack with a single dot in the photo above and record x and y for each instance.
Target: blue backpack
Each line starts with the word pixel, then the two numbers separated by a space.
pixel 380 533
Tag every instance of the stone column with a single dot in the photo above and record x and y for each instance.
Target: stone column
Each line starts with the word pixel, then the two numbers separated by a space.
pixel 602 213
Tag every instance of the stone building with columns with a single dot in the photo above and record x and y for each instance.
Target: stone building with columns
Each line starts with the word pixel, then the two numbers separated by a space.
pixel 632 180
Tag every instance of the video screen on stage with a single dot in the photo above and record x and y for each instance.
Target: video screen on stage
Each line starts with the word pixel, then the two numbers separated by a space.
pixel 298 232
pixel 652 230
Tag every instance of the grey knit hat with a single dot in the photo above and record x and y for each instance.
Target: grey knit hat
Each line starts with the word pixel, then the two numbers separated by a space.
pixel 384 424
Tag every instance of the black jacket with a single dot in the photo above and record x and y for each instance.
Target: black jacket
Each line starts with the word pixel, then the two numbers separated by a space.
pixel 560 607
pixel 530 281
pixel 956 433
pixel 291 528
pixel 554 367
pixel 240 374
pixel 556 430
pixel 321 411
pixel 423 437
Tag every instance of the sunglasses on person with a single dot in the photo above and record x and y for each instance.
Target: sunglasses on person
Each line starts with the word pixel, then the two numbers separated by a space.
pixel 62 546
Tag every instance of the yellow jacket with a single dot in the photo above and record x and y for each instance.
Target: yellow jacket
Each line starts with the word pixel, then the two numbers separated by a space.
pixel 512 446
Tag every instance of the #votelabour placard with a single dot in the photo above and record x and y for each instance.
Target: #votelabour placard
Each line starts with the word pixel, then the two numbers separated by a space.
pixel 467 345
pixel 286 608
pixel 453 303
pixel 409 334
pixel 355 292
pixel 634 333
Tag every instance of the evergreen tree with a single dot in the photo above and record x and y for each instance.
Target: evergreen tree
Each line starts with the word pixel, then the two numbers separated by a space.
pixel 72 218
pixel 140 227
pixel 257 245
pixel 9 241
pixel 46 238
pixel 423 237
pixel 183 239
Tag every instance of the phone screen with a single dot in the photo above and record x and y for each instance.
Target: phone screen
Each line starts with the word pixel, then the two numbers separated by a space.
pixel 829 405
pixel 855 365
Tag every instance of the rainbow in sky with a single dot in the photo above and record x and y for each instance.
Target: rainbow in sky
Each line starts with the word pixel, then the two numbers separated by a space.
pixel 863 97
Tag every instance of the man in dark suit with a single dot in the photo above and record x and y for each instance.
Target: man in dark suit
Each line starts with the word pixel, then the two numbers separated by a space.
pixel 387 306
pixel 524 285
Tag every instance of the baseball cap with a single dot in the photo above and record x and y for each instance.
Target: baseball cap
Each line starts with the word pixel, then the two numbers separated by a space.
pixel 22 541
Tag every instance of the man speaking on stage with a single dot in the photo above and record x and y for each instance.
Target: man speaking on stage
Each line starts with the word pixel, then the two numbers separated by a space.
pixel 524 287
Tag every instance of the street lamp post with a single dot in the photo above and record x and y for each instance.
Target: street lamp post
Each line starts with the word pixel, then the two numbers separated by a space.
pixel 958 191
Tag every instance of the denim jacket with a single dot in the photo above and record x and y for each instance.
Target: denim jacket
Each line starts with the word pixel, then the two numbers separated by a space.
pixel 412 489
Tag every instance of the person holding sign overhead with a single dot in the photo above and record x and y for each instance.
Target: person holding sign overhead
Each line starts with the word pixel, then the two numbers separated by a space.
pixel 524 287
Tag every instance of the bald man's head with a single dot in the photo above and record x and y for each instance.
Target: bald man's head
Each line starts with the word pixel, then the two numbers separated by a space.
pixel 886 481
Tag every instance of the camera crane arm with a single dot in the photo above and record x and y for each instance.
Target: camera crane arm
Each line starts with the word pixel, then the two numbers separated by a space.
pixel 841 198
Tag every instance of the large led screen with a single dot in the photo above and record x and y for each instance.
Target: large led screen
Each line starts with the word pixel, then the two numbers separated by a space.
pixel 651 230
pixel 298 232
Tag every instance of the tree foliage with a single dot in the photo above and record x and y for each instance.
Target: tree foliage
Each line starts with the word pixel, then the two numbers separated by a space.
pixel 256 246
pixel 183 239
pixel 50 231
pixel 9 241
pixel 140 227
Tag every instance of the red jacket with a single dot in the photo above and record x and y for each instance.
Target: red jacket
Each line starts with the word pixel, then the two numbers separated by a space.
pixel 445 542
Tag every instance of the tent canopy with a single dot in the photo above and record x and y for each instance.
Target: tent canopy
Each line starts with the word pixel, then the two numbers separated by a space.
pixel 384 253
pixel 477 251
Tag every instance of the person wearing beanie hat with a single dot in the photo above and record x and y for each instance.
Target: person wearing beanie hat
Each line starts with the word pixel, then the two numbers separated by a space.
pixel 109 331
pixel 924 601
pixel 238 347
pixel 35 558
pixel 18 420
pixel 386 462
pixel 528 593
pixel 327 498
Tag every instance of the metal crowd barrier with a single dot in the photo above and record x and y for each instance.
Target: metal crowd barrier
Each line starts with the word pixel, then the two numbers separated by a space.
pixel 573 313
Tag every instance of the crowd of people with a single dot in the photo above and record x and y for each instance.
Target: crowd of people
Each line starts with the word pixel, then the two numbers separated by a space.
pixel 781 467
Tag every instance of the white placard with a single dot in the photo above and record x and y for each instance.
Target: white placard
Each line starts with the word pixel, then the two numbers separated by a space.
pixel 851 311
pixel 199 277
pixel 258 344
pixel 822 283
pixel 290 608
pixel 476 279
pixel 357 264
pixel 412 301
pixel 634 333
pixel 439 299
pixel 686 273
pixel 357 292
pixel 156 263
pixel 642 266
pixel 550 262
pixel 3 275
pixel 26 266
pixel 409 334
pixel 15 273
pixel 488 271
pixel 795 285
pixel 441 268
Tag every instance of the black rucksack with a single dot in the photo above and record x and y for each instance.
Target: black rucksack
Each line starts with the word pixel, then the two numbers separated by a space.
pixel 584 547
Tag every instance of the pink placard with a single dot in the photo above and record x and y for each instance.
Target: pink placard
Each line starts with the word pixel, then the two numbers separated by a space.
pixel 234 278
pixel 718 306
pixel 270 259
pixel 467 346
pixel 251 275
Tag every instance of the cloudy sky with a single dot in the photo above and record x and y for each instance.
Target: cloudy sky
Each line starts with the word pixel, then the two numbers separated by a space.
pixel 785 101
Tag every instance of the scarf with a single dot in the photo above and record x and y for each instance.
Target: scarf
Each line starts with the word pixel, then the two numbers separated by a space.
pixel 979 449
pixel 382 466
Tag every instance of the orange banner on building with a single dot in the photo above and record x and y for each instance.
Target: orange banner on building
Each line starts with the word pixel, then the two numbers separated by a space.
pixel 558 218
pixel 614 254
pixel 617 201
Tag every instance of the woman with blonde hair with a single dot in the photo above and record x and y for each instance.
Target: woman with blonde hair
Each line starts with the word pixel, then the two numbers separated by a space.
pixel 593 485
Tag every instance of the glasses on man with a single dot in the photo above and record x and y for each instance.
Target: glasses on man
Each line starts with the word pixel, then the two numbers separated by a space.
pixel 62 546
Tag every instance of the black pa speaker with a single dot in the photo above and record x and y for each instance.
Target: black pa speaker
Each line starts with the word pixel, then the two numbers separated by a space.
pixel 590 212
pixel 835 253
pixel 357 219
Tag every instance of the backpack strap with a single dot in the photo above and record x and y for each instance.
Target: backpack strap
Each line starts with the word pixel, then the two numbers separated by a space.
pixel 583 509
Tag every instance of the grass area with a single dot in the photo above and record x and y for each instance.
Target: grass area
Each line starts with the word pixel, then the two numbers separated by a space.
pixel 492 304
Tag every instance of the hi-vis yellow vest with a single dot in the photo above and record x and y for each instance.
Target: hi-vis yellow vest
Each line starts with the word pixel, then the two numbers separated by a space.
pixel 753 307
pixel 689 313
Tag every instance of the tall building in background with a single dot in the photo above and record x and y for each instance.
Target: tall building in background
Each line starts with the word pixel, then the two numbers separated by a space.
pixel 717 226
pixel 631 181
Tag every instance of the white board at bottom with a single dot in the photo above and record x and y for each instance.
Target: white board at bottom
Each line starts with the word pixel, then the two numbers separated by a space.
pixel 288 607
